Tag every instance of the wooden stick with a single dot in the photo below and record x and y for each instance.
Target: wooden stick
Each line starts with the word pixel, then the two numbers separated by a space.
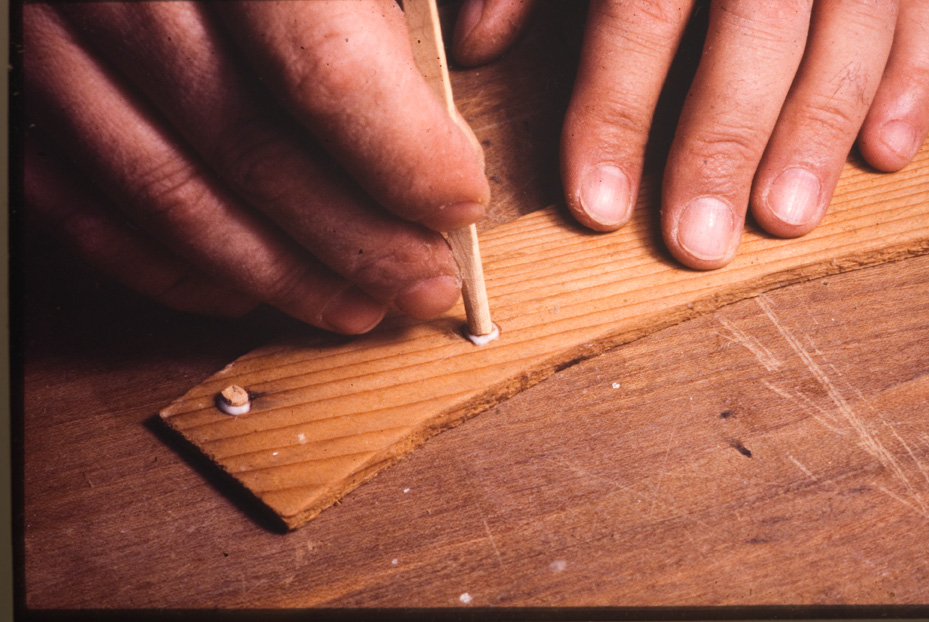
pixel 422 20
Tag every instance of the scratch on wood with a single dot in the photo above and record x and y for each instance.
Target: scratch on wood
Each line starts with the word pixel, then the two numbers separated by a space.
pixel 783 393
pixel 615 484
pixel 800 466
pixel 817 412
pixel 916 460
pixel 493 542
pixel 740 337
pixel 867 440
pixel 918 510
pixel 664 470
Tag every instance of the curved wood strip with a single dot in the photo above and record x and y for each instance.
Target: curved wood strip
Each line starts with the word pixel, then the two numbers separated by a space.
pixel 560 295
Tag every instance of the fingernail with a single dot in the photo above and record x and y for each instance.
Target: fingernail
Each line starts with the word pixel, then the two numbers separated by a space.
pixel 794 196
pixel 430 297
pixel 705 228
pixel 605 195
pixel 353 312
pixel 455 216
pixel 900 137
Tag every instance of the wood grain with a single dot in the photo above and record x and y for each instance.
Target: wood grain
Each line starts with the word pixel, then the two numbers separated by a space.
pixel 330 415
pixel 573 493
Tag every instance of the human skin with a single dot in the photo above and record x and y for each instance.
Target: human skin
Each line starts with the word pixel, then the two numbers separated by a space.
pixel 215 157
pixel 782 91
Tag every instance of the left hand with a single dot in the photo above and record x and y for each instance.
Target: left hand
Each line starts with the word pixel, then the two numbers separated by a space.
pixel 781 93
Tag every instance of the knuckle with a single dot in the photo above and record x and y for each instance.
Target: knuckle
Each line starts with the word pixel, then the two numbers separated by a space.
pixel 376 268
pixel 660 12
pixel 920 61
pixel 383 266
pixel 381 273
pixel 652 25
pixel 628 119
pixel 170 289
pixel 870 14
pixel 168 188
pixel 769 27
pixel 916 70
pixel 248 153
pixel 284 287
pixel 722 149
pixel 750 14
pixel 670 14
pixel 608 114
pixel 833 119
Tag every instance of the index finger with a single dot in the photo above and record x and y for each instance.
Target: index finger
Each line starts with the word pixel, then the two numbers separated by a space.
pixel 346 70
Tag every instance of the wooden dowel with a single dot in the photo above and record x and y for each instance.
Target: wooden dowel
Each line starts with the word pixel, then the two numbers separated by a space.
pixel 422 21
pixel 473 289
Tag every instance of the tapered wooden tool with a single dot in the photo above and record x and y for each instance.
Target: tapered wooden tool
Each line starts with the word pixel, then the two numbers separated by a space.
pixel 422 21
pixel 327 415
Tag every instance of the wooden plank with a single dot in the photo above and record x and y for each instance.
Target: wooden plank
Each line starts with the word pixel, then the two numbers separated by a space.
pixel 573 493
pixel 619 482
pixel 330 414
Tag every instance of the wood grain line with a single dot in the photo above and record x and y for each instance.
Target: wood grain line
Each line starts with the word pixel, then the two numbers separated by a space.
pixel 330 414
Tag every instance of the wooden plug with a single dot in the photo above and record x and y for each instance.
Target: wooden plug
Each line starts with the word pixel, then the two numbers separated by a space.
pixel 422 21
pixel 233 400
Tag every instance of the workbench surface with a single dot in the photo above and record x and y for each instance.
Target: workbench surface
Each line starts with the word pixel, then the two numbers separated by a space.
pixel 773 452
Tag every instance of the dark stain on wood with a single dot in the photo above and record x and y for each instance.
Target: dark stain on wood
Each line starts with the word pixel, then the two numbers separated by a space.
pixel 571 363
pixel 739 447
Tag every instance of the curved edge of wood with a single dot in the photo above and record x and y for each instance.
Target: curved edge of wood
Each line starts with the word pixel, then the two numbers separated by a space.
pixel 330 417
pixel 513 386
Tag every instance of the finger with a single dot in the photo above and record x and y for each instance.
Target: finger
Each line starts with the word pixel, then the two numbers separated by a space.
pixel 266 160
pixel 486 29
pixel 145 171
pixel 76 213
pixel 346 70
pixel 628 49
pixel 898 122
pixel 751 53
pixel 848 48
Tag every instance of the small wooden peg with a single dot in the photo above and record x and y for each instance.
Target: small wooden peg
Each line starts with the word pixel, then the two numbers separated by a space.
pixel 473 289
pixel 233 400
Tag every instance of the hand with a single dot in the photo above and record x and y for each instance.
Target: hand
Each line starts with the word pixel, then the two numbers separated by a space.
pixel 781 93
pixel 217 157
